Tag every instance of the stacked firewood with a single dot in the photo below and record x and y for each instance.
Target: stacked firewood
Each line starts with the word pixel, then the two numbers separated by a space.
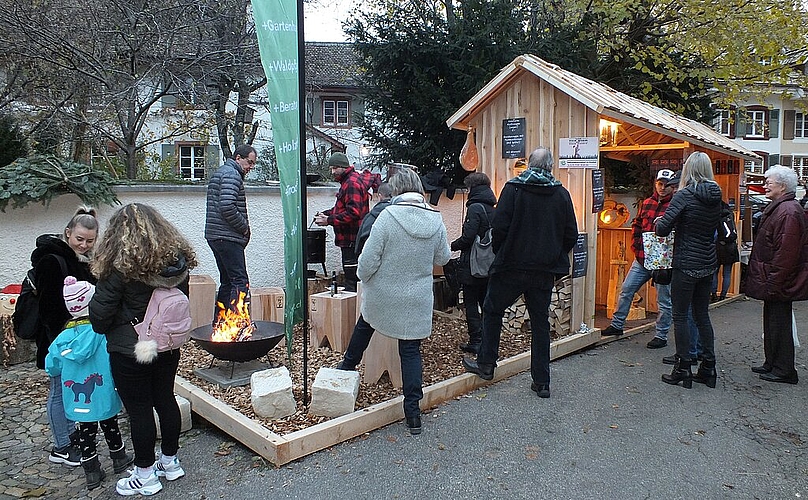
pixel 516 317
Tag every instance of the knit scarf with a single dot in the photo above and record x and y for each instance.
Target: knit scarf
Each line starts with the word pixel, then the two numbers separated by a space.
pixel 536 177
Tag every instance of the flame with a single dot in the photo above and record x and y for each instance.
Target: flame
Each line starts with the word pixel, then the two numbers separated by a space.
pixel 233 324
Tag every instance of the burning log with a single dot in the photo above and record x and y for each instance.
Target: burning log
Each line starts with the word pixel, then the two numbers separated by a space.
pixel 233 324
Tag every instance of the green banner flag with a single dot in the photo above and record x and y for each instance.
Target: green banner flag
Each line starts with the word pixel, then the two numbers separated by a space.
pixel 276 24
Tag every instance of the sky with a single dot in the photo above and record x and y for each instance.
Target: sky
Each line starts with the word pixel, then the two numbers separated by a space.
pixel 322 19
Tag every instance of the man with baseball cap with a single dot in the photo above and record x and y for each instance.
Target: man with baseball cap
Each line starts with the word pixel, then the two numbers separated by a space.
pixel 652 207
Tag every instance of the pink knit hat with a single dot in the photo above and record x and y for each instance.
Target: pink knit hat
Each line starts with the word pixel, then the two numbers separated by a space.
pixel 77 296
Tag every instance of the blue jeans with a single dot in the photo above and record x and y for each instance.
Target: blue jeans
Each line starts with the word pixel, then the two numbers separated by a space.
pixel 412 375
pixel 61 426
pixel 692 292
pixel 232 266
pixel 503 289
pixel 637 276
pixel 360 338
pixel 726 275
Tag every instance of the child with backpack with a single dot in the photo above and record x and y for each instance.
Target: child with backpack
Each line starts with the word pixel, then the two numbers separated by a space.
pixel 79 356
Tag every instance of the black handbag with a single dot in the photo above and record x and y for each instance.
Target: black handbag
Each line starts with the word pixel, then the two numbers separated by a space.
pixel 662 276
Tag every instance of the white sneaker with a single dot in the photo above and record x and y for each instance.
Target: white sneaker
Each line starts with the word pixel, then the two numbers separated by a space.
pixel 171 471
pixel 135 484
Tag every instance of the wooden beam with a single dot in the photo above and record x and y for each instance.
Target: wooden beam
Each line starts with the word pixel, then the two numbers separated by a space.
pixel 645 147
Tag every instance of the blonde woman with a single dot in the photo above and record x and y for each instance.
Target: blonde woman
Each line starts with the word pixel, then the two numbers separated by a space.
pixel 57 256
pixel 140 251
pixel 694 213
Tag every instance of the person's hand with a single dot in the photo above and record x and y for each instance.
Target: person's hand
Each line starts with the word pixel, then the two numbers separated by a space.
pixel 320 219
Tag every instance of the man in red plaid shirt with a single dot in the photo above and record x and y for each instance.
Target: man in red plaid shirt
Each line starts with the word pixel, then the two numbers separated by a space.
pixel 652 207
pixel 347 214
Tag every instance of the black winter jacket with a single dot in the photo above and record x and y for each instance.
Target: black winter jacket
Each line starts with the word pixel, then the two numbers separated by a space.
pixel 479 217
pixel 49 283
pixel 367 224
pixel 226 217
pixel 119 303
pixel 534 229
pixel 694 213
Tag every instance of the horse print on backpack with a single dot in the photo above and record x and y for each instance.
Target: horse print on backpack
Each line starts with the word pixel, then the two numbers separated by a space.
pixel 166 325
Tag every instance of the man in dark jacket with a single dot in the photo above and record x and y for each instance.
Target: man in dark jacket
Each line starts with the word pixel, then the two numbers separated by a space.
pixel 347 214
pixel 227 228
pixel 534 230
pixel 363 332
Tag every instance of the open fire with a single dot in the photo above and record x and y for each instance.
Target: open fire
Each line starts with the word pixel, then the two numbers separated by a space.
pixel 233 324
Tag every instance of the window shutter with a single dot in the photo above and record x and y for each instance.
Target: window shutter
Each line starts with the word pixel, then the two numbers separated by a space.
pixel 786 161
pixel 788 124
pixel 167 151
pixel 774 160
pixel 774 123
pixel 211 159
pixel 740 123
pixel 733 113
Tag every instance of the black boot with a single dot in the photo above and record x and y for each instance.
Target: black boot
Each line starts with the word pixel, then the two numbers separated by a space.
pixel 120 460
pixel 473 345
pixel 93 472
pixel 706 374
pixel 680 373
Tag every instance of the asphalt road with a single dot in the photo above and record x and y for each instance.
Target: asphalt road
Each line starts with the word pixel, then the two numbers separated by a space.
pixel 611 430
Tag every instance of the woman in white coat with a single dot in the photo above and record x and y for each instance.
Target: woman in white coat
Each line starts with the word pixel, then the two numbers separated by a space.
pixel 407 240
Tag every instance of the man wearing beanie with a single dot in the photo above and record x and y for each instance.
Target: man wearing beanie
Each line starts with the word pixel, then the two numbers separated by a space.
pixel 652 207
pixel 347 214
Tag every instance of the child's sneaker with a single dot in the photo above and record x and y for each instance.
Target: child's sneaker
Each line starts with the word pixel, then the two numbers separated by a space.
pixel 171 471
pixel 135 484
pixel 69 455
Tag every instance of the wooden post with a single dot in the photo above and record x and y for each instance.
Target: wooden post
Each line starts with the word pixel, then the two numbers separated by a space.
pixel 202 295
pixel 332 319
pixel 267 304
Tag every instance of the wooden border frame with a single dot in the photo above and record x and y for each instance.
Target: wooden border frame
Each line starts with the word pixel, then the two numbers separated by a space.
pixel 283 449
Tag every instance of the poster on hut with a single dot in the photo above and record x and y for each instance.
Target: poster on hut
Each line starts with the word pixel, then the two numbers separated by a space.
pixel 578 152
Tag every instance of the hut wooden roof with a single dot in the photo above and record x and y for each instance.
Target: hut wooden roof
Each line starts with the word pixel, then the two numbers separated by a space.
pixel 643 126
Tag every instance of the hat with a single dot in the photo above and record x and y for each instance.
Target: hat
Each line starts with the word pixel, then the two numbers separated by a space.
pixel 665 175
pixel 77 296
pixel 338 160
pixel 677 176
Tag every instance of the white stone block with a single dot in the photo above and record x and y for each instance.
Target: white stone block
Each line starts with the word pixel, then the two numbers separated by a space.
pixel 334 392
pixel 272 393
pixel 185 416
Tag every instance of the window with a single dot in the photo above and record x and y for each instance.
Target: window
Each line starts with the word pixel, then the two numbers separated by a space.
pixel 756 124
pixel 192 162
pixel 335 113
pixel 801 125
pixel 722 123
pixel 801 167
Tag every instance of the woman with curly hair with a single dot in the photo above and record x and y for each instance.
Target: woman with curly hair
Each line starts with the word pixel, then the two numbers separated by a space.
pixel 141 251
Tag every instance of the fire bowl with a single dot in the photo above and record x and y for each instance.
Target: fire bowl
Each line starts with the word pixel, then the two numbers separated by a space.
pixel 267 335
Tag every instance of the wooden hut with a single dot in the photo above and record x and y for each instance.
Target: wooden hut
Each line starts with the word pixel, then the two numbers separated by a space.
pixel 532 103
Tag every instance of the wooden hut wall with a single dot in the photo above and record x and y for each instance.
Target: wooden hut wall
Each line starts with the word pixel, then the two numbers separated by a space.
pixel 549 115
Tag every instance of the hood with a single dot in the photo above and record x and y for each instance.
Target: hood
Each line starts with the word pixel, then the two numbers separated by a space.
pixel 709 193
pixel 414 216
pixel 482 194
pixel 536 189
pixel 234 164
pixel 173 274
pixel 48 244
pixel 78 347
pixel 370 180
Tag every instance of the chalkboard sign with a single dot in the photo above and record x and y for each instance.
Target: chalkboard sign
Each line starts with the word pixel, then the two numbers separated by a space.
pixel 513 138
pixel 579 256
pixel 598 195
